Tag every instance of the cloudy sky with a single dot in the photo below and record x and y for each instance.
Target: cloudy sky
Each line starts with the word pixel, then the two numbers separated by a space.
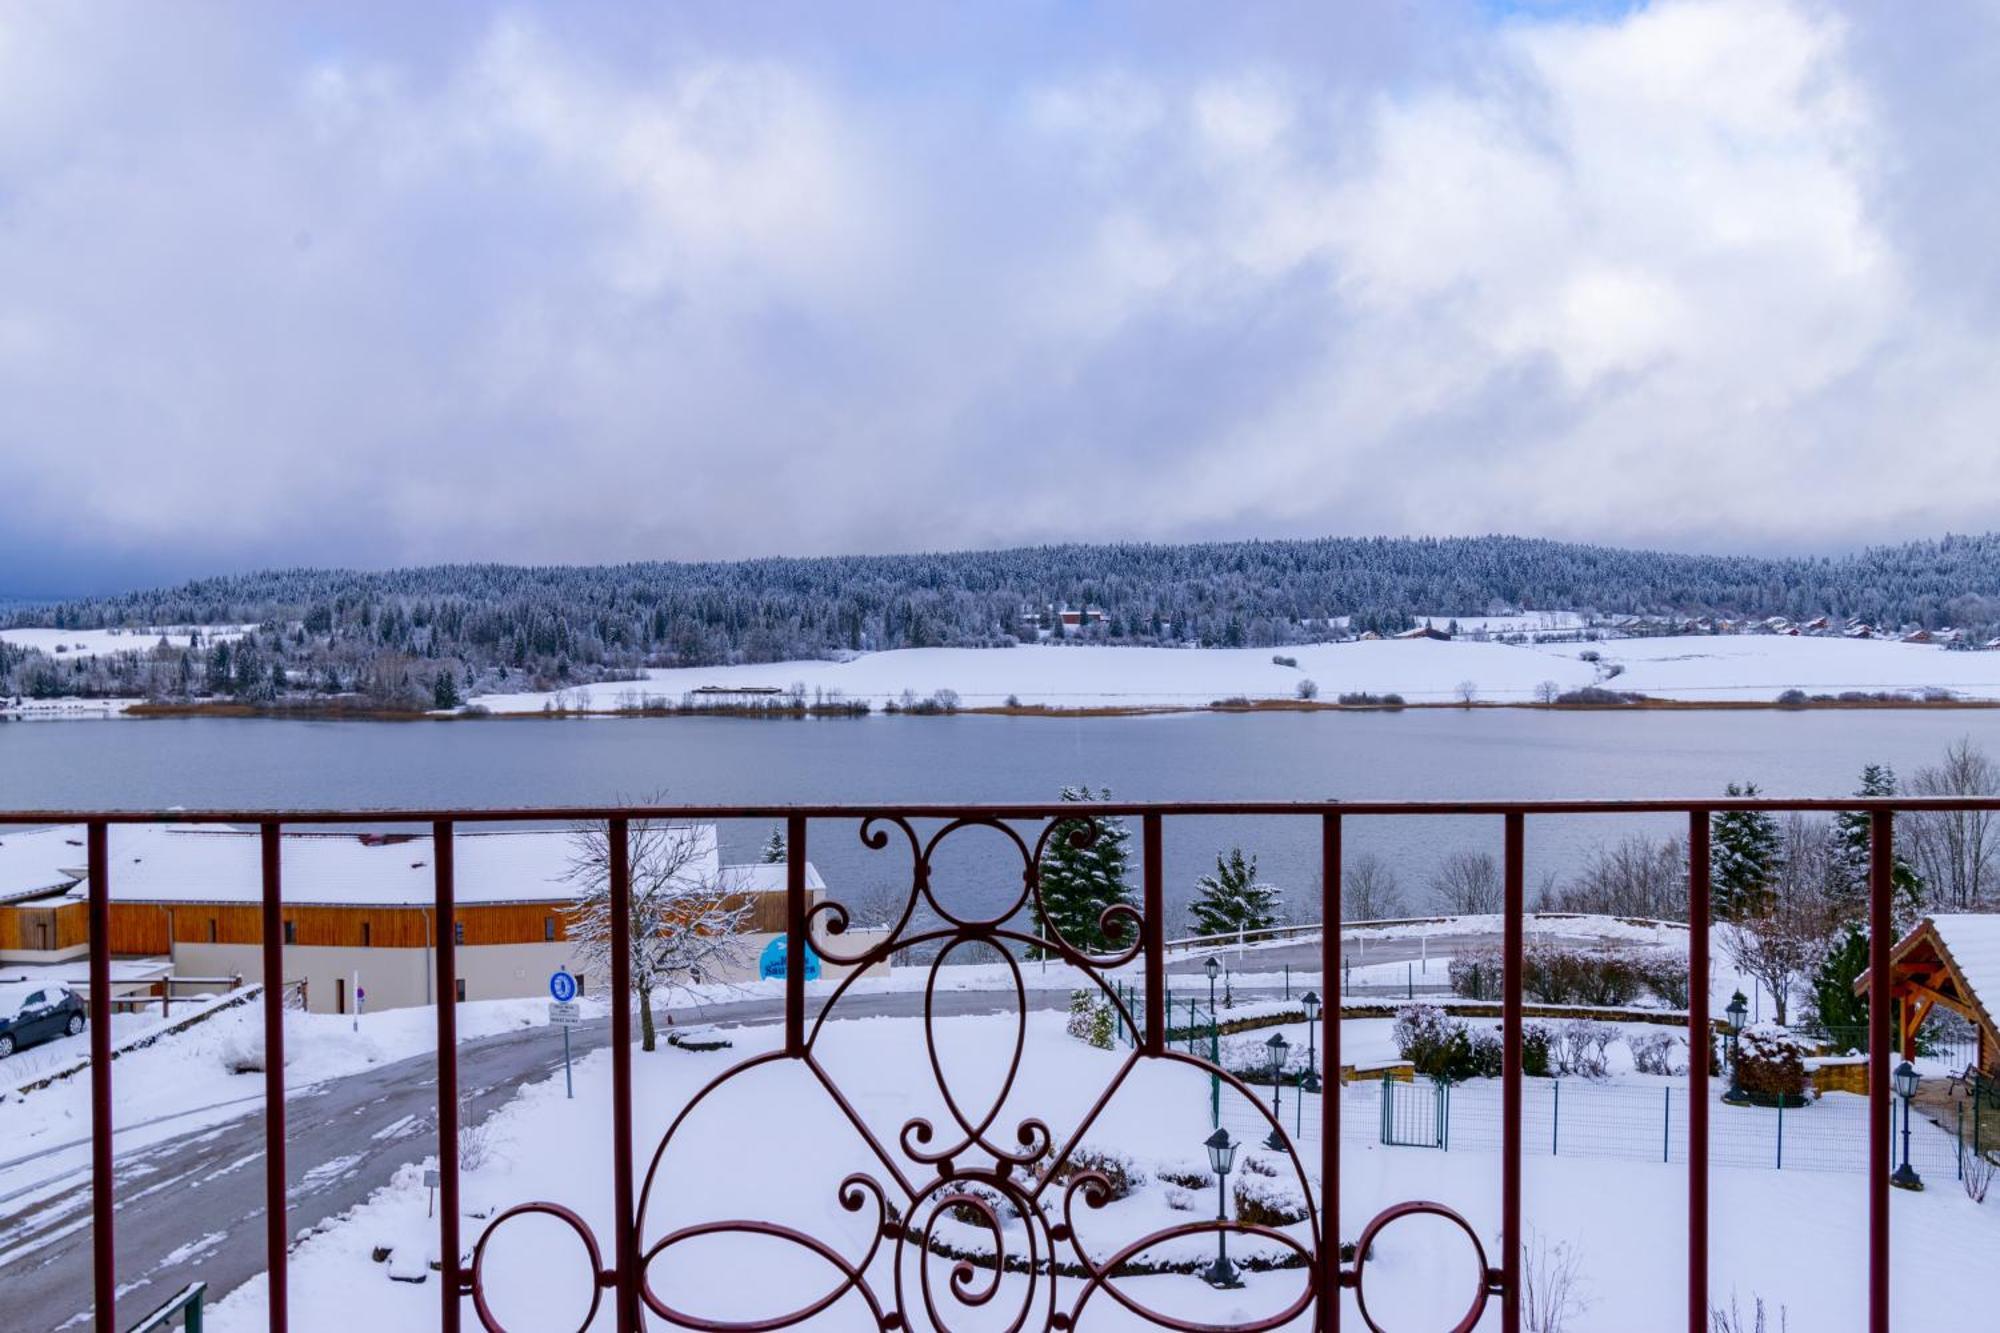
pixel 371 285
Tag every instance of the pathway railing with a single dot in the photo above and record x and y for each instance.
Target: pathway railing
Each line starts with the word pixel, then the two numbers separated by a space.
pixel 933 1169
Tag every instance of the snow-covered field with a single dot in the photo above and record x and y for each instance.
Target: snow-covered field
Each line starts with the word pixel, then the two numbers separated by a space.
pixel 72 643
pixel 1753 667
pixel 772 1147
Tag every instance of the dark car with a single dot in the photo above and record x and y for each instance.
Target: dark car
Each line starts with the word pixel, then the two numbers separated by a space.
pixel 43 1015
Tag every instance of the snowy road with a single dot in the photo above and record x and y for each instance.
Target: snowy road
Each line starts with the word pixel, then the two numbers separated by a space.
pixel 191 1206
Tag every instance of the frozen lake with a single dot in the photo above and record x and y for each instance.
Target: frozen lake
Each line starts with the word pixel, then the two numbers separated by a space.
pixel 1432 754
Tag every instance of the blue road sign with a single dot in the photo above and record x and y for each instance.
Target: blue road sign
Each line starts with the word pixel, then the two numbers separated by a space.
pixel 563 987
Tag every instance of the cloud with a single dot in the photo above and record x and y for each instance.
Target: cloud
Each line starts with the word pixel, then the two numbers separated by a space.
pixel 579 284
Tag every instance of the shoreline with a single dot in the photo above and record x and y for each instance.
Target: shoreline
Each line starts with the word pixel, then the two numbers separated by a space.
pixel 116 709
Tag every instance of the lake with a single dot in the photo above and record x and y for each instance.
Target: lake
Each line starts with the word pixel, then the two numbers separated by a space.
pixel 1425 754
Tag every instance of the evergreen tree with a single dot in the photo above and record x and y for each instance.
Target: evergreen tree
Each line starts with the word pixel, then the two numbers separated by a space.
pixel 1852 853
pixel 774 846
pixel 1233 898
pixel 444 690
pixel 1840 1011
pixel 1745 852
pixel 1078 883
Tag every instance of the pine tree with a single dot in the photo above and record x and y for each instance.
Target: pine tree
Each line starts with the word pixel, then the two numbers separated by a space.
pixel 1852 851
pixel 444 690
pixel 1839 1010
pixel 1079 882
pixel 1745 852
pixel 774 846
pixel 1233 898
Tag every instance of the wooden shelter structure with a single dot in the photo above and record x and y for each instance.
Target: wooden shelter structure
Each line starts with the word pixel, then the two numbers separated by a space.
pixel 1951 960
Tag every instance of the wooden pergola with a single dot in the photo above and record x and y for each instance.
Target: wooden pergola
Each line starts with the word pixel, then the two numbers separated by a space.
pixel 1939 963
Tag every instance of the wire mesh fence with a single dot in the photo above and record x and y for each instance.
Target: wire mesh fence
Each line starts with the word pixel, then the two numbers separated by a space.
pixel 1576 1118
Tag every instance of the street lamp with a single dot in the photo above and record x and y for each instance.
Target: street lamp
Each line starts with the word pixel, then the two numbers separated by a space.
pixel 1310 1003
pixel 1905 1079
pixel 1738 1010
pixel 1278 1047
pixel 1221 1156
pixel 1213 969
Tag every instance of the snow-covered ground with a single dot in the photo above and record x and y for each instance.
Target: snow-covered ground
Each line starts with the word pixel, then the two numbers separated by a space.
pixel 771 1146
pixel 73 643
pixel 1753 667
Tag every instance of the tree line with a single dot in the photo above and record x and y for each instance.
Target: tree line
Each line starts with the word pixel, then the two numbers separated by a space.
pixel 398 633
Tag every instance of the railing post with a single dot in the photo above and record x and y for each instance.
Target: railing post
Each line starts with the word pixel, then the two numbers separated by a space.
pixel 103 1240
pixel 796 942
pixel 1881 864
pixel 276 1236
pixel 1513 947
pixel 1153 947
pixel 1700 1044
pixel 442 850
pixel 627 1246
pixel 1329 1102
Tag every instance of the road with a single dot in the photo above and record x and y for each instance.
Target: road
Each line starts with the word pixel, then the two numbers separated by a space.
pixel 192 1207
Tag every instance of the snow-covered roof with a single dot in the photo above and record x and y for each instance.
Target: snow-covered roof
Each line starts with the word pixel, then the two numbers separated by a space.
pixel 215 863
pixel 766 877
pixel 1973 941
pixel 38 861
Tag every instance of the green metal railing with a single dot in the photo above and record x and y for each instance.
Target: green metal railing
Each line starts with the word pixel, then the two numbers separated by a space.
pixel 184 1306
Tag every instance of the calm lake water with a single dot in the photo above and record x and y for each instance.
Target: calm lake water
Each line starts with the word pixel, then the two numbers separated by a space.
pixel 1424 754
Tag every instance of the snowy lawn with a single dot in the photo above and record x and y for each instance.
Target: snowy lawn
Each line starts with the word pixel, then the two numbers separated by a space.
pixel 1757 667
pixel 771 1147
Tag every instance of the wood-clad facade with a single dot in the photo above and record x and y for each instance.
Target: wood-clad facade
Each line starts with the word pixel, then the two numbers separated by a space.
pixel 146 929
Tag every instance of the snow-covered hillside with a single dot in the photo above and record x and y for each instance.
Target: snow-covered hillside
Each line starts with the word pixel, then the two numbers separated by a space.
pixel 1422 671
pixel 74 643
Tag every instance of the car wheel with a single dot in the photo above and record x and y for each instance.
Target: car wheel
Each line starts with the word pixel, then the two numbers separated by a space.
pixel 6 1047
pixel 75 1024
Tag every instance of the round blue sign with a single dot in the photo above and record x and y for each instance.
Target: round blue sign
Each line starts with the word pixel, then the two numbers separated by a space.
pixel 563 986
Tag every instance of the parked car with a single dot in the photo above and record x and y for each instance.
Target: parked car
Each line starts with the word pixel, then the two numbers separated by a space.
pixel 44 1014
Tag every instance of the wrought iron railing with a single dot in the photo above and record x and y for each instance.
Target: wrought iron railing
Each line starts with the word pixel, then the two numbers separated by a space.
pixel 933 1166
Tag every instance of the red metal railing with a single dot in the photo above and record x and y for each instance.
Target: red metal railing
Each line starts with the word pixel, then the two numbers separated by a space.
pixel 823 924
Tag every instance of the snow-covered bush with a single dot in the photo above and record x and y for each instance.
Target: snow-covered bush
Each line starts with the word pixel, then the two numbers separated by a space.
pixel 1436 1044
pixel 1658 1053
pixel 1536 1044
pixel 1771 1064
pixel 1580 1046
pixel 1557 975
pixel 1666 975
pixel 1186 1174
pixel 1488 1054
pixel 1122 1175
pixel 241 1048
pixel 1476 974
pixel 1090 1018
pixel 1266 1200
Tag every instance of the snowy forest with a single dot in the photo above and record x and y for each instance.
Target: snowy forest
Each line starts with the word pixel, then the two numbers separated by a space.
pixel 389 633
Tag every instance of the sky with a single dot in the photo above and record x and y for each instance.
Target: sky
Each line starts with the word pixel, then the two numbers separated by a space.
pixel 381 284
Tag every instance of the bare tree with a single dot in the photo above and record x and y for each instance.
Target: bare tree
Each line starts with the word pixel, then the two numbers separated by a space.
pixel 1369 889
pixel 1547 691
pixel 1782 943
pixel 1467 691
pixel 1466 884
pixel 1957 852
pixel 684 927
pixel 1551 1285
pixel 1635 876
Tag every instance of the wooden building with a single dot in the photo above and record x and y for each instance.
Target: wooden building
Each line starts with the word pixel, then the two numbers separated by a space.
pixel 1950 960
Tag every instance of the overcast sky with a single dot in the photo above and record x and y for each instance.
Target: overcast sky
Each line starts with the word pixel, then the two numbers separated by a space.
pixel 373 285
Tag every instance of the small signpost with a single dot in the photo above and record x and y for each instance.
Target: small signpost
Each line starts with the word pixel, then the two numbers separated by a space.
pixel 565 1013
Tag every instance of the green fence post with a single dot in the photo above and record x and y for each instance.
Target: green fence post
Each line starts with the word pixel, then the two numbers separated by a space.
pixel 1288 981
pixel 1667 1123
pixel 1214 1079
pixel 1781 1131
pixel 1556 1120
pixel 1385 1106
pixel 1959 1133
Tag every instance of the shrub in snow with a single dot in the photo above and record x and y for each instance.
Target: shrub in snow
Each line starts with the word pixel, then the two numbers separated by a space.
pixel 1279 659
pixel 1268 1201
pixel 1121 1174
pixel 1977 1176
pixel 1488 1055
pixel 1551 1286
pixel 1666 975
pixel 1536 1043
pixel 1476 974
pixel 1434 1043
pixel 1090 1018
pixel 1732 1320
pixel 1187 1174
pixel 1308 689
pixel 1557 975
pixel 969 1213
pixel 1771 1064
pixel 1658 1053
pixel 1183 1200
pixel 1580 1046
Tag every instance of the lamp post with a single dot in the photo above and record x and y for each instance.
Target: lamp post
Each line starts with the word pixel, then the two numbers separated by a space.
pixel 1905 1078
pixel 1221 1156
pixel 1278 1047
pixel 1310 1003
pixel 1738 1010
pixel 1213 969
